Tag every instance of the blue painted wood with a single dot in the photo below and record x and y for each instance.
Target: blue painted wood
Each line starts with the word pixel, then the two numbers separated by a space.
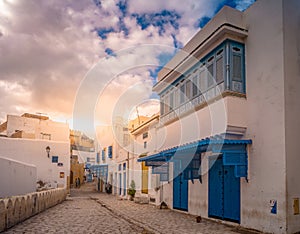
pixel 176 193
pixel 180 189
pixel 231 194
pixel 184 193
pixel 215 188
pixel 223 191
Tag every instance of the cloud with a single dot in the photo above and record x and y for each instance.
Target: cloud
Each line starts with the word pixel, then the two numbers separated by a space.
pixel 48 47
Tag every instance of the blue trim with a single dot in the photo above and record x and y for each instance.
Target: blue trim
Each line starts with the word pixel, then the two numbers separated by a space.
pixel 234 154
pixel 165 155
pixel 110 153
pixel 204 60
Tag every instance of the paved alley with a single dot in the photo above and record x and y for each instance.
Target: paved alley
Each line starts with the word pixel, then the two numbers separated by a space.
pixel 87 211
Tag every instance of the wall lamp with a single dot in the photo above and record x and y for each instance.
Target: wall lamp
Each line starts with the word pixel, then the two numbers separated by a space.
pixel 48 151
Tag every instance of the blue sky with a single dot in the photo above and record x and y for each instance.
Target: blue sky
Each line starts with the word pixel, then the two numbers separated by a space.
pixel 48 47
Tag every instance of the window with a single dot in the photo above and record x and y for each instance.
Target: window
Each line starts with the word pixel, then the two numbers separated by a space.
pixel 176 96
pixel 220 67
pixel 98 158
pixel 110 153
pixel 210 75
pixel 54 159
pixel 194 85
pixel 203 79
pixel 103 154
pixel 124 166
pixel 145 144
pixel 88 159
pixel 162 106
pixel 171 100
pixel 182 93
pixel 236 67
pixel 145 135
pixel 188 89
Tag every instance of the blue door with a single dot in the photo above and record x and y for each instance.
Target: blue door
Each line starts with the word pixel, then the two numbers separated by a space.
pixel 215 191
pixel 231 194
pixel 180 190
pixel 223 191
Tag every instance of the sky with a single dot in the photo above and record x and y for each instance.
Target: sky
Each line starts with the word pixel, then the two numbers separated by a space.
pixel 60 57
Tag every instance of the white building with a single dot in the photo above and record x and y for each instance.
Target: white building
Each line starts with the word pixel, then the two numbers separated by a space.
pixel 230 119
pixel 38 141
pixel 114 155
pixel 144 142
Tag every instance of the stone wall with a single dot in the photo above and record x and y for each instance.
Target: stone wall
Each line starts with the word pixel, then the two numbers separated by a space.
pixel 16 209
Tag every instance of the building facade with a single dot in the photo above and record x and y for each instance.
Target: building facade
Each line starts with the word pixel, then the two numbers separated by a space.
pixel 229 120
pixel 39 141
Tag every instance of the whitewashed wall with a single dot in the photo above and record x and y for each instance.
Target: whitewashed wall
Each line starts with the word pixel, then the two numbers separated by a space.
pixel 291 21
pixel 59 131
pixel 17 178
pixel 265 119
pixel 34 152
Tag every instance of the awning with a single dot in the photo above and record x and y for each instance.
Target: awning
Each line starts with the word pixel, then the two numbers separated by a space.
pixel 214 143
pixel 234 153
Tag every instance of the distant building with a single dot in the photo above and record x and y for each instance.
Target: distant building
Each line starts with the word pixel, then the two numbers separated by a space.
pixel 83 147
pixel 39 141
pixel 77 171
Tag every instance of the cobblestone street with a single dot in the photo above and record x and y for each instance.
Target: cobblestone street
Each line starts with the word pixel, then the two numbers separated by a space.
pixel 87 211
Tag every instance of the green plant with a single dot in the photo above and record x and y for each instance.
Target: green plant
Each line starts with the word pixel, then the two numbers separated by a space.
pixel 131 190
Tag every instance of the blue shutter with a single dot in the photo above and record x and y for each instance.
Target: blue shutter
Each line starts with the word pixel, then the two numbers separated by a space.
pixel 193 169
pixel 103 155
pixel 98 157
pixel 163 171
pixel 110 153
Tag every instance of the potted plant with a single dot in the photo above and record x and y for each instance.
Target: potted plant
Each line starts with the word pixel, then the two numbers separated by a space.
pixel 131 190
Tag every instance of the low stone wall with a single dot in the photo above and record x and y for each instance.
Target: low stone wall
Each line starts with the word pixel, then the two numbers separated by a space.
pixel 16 209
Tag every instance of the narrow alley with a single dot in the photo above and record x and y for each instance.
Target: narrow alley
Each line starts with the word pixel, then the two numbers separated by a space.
pixel 87 211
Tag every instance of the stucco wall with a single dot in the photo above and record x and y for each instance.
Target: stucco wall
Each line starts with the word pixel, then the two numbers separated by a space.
pixel 34 152
pixel 58 131
pixel 18 208
pixel 17 178
pixel 291 20
pixel 265 119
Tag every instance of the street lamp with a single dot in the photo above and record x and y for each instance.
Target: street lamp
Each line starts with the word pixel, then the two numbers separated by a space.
pixel 48 151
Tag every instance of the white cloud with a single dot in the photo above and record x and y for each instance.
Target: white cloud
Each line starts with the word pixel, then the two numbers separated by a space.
pixel 47 48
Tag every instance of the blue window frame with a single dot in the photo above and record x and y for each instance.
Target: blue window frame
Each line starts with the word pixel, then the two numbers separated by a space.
pixel 193 170
pixel 222 69
pixel 103 155
pixel 54 159
pixel 145 135
pixel 98 157
pixel 110 151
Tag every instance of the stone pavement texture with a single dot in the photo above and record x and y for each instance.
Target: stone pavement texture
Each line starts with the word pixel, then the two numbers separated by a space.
pixel 87 211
